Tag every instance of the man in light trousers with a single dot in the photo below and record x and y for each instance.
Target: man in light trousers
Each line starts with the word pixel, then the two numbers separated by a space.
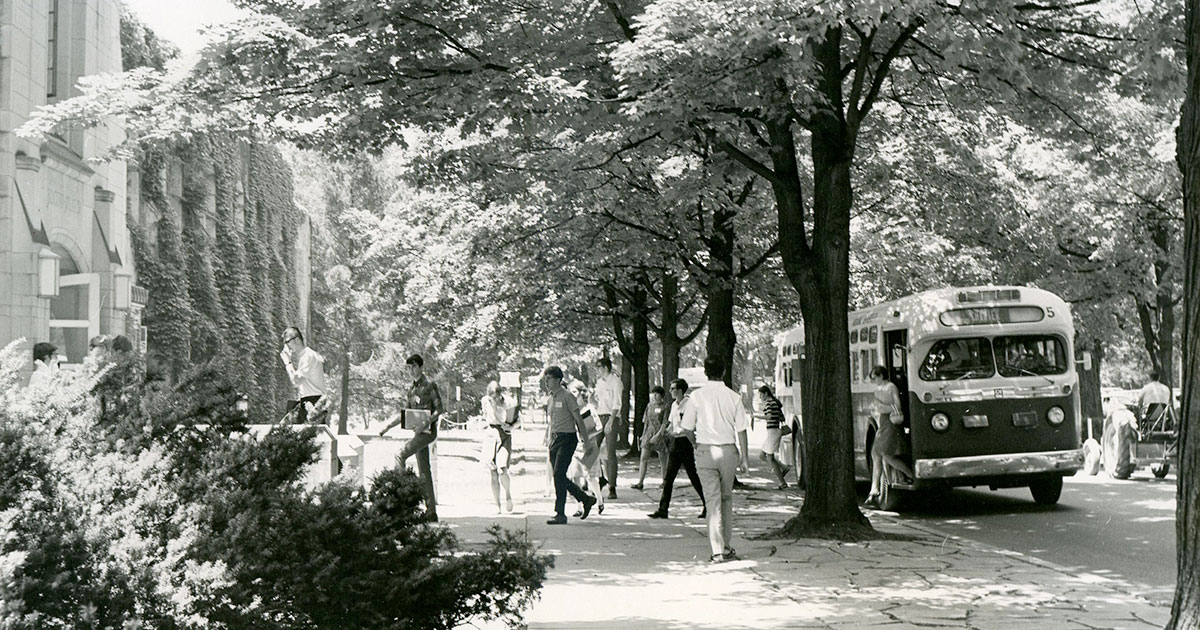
pixel 716 422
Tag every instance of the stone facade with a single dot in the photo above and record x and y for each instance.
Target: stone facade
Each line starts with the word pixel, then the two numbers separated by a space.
pixel 56 203
pixel 67 271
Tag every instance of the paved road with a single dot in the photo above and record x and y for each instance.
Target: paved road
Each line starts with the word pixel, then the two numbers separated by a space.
pixel 1120 529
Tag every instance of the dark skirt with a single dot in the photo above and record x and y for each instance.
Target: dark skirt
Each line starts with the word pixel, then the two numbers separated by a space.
pixel 891 439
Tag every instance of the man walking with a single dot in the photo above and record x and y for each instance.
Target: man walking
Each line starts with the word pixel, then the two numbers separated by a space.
pixel 682 453
pixel 567 428
pixel 305 369
pixel 422 395
pixel 716 421
pixel 608 407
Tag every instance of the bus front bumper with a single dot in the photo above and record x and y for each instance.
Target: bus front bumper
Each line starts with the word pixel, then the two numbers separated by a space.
pixel 1000 465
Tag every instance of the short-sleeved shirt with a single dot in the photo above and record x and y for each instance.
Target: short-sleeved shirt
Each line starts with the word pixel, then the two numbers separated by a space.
pixel 1153 393
pixel 563 410
pixel 309 375
pixel 675 417
pixel 608 395
pixel 716 413
pixel 423 394
pixel 773 412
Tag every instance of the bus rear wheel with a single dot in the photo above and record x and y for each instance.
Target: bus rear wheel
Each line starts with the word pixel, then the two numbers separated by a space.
pixel 1046 491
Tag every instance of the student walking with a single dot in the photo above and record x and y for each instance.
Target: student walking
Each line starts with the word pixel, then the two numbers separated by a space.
pixel 566 430
pixel 422 395
pixel 306 370
pixel 502 417
pixel 773 412
pixel 682 452
pixel 716 420
pixel 608 408
pixel 652 439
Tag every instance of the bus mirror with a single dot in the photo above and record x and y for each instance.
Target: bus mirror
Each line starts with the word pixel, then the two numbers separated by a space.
pixel 1086 359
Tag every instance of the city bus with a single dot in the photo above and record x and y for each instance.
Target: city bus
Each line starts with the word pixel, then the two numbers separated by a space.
pixel 988 386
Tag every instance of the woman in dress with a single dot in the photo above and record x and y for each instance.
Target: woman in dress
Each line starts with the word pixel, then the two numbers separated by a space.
pixel 890 445
pixel 652 439
pixel 501 418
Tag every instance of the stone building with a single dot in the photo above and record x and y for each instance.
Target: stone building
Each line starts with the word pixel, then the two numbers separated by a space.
pixel 66 270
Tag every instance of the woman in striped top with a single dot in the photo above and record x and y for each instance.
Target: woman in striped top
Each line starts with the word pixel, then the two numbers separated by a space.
pixel 773 411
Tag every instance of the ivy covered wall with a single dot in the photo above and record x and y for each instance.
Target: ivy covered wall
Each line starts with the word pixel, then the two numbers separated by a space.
pixel 214 239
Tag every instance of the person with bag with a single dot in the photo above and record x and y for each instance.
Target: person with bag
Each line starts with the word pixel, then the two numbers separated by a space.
pixel 891 445
pixel 652 440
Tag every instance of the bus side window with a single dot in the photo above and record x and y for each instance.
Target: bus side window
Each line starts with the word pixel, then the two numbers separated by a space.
pixel 874 357
pixel 854 366
pixel 866 365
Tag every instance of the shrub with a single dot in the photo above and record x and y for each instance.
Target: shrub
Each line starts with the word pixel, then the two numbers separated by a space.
pixel 159 510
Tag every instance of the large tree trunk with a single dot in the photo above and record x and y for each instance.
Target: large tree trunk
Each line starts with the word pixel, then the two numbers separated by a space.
pixel 722 339
pixel 1090 401
pixel 641 379
pixel 1185 611
pixel 668 332
pixel 821 275
pixel 344 410
pixel 1157 316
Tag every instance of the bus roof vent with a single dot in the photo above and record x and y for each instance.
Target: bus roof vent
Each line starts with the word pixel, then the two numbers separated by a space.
pixel 989 295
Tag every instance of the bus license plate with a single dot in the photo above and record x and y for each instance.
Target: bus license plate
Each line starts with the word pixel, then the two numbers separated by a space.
pixel 1025 419
pixel 975 422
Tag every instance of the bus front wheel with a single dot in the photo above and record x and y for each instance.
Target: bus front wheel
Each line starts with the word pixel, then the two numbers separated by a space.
pixel 1046 491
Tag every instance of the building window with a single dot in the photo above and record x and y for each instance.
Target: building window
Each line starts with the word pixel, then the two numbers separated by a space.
pixel 75 313
pixel 52 50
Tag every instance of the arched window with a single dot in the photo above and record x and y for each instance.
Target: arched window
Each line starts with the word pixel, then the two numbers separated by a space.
pixel 75 313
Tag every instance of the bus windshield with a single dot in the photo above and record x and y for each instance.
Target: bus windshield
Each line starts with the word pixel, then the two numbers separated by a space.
pixel 954 359
pixel 1030 355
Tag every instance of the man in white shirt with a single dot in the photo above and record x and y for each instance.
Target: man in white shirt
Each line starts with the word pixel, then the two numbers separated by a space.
pixel 716 421
pixel 1153 401
pixel 608 407
pixel 306 369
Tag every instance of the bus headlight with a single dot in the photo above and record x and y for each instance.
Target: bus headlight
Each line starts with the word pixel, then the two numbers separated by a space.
pixel 940 422
pixel 1056 415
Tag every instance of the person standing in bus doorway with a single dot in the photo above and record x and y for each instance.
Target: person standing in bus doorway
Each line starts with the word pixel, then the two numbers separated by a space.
pixel 422 394
pixel 716 421
pixel 1154 401
pixel 608 408
pixel 773 414
pixel 891 446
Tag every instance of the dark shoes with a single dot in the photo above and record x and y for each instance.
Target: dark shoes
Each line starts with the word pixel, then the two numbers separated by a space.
pixel 637 486
pixel 612 493
pixel 588 502
pixel 632 454
pixel 704 514
pixel 728 556
pixel 657 514
pixel 738 485
pixel 557 520
pixel 578 513
pixel 872 501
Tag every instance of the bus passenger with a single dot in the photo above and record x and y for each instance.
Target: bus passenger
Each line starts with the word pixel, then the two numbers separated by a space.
pixel 891 445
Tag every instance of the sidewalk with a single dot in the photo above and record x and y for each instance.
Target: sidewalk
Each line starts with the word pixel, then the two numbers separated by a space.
pixel 624 570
